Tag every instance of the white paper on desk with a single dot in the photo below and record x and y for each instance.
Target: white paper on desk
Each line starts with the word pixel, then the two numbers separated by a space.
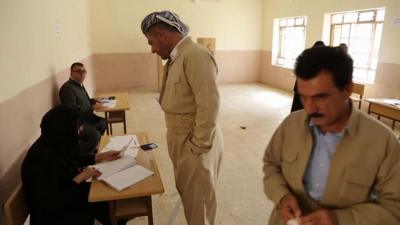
pixel 108 103
pixel 109 168
pixel 128 177
pixel 393 102
pixel 119 142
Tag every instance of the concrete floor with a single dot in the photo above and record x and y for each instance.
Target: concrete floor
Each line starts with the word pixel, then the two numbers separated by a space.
pixel 248 116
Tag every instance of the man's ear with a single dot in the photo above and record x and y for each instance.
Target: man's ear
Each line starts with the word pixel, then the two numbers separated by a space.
pixel 349 88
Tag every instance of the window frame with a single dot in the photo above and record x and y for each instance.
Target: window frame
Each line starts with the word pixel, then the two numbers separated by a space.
pixel 278 37
pixel 370 76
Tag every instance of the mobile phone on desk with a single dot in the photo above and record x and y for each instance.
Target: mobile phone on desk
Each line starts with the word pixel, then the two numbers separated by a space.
pixel 148 146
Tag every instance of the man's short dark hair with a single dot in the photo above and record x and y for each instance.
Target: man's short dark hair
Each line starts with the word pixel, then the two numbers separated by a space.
pixel 312 61
pixel 76 64
pixel 319 44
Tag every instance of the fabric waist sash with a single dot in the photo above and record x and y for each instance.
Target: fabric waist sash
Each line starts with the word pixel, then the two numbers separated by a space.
pixel 180 123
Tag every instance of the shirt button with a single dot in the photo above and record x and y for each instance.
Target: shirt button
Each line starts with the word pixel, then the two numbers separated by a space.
pixel 317 185
pixel 321 165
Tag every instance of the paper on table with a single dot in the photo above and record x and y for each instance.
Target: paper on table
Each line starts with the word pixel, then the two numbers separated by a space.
pixel 109 168
pixel 128 177
pixel 108 103
pixel 393 102
pixel 119 142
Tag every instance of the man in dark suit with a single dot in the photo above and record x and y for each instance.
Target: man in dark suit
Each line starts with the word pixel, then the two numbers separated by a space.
pixel 74 93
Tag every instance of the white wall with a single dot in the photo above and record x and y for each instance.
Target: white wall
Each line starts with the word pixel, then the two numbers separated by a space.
pixel 30 48
pixel 236 24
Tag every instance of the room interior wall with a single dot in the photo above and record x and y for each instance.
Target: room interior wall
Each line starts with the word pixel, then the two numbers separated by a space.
pixel 387 82
pixel 39 41
pixel 123 55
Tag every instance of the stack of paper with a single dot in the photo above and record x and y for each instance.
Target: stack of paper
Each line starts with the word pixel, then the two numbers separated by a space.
pixel 108 103
pixel 127 143
pixel 109 168
pixel 393 102
pixel 128 177
pixel 122 173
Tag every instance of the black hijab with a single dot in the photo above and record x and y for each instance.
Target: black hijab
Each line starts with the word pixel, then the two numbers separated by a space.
pixel 60 132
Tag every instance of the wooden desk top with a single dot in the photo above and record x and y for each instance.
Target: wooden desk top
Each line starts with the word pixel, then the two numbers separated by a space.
pixel 122 101
pixel 99 191
pixel 387 102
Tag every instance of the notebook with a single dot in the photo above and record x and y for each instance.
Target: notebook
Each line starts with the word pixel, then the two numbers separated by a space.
pixel 122 173
pixel 128 177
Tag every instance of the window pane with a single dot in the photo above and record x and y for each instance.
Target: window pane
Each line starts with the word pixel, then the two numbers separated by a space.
pixel 360 75
pixel 374 63
pixel 370 77
pixel 350 17
pixel 380 15
pixel 281 61
pixel 378 35
pixel 337 18
pixel 367 16
pixel 336 35
pixel 360 60
pixel 282 22
pixel 345 31
pixel 360 31
pixel 290 22
pixel 299 21
pixel 291 40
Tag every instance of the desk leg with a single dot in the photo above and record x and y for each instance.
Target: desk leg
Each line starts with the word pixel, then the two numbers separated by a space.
pixel 112 206
pixel 149 210
pixel 106 117
pixel 123 114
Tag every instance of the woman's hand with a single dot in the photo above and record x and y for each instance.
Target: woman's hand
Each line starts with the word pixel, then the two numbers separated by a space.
pixel 86 173
pixel 107 156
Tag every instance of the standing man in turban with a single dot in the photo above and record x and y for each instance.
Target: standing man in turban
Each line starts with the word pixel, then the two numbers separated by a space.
pixel 190 100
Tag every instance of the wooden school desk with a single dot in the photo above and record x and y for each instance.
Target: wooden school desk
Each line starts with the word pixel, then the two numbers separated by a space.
pixel 135 200
pixel 385 107
pixel 117 113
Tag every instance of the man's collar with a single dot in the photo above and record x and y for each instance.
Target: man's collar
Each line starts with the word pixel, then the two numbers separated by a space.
pixel 174 53
pixel 75 81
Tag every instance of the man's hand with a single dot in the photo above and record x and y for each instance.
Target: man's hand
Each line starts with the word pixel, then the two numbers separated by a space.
pixel 289 208
pixel 107 156
pixel 98 105
pixel 319 217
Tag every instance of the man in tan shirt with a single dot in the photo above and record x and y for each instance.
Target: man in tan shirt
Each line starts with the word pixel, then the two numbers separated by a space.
pixel 190 100
pixel 331 164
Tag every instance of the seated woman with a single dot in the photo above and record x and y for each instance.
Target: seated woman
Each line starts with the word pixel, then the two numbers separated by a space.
pixel 53 174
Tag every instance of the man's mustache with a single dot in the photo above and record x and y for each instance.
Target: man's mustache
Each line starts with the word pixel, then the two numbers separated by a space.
pixel 316 115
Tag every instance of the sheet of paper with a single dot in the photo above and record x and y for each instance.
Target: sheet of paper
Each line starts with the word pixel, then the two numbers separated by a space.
pixel 119 142
pixel 393 102
pixel 109 168
pixel 108 103
pixel 127 177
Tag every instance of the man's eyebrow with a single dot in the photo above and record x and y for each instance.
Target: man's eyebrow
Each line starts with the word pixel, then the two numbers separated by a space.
pixel 323 94
pixel 319 95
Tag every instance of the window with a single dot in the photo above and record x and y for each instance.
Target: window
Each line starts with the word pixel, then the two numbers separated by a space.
pixel 361 31
pixel 289 37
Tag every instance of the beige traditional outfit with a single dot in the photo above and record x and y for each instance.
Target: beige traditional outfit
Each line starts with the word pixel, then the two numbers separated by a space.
pixel 363 185
pixel 190 100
